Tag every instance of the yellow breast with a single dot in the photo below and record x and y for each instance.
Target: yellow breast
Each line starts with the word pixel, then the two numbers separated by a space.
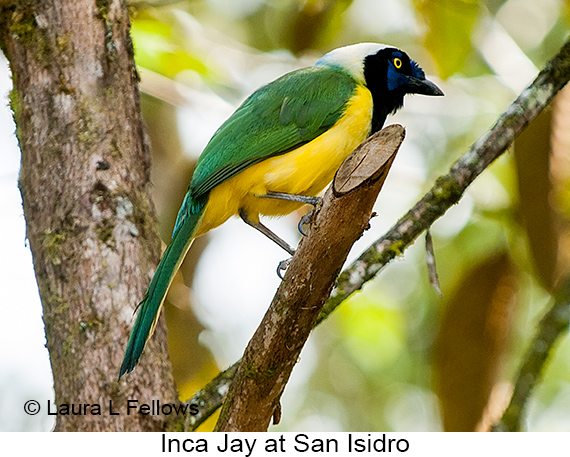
pixel 306 170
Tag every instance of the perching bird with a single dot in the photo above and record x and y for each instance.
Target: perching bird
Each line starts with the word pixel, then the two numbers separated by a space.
pixel 286 140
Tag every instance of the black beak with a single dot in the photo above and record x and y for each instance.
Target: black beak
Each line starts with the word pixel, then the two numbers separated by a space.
pixel 422 86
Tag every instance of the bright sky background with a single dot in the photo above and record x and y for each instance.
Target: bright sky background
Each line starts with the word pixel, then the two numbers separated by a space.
pixel 25 372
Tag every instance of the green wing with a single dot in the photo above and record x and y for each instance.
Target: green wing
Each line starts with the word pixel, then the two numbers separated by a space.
pixel 276 119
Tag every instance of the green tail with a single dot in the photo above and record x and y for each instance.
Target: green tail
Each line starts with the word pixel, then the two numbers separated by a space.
pixel 149 308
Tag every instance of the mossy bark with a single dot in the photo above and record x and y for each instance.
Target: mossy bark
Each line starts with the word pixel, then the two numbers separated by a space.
pixel 84 181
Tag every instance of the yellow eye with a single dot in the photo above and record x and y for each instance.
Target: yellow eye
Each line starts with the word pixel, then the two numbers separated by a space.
pixel 397 63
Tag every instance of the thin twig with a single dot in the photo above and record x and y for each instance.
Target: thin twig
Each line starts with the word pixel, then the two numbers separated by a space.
pixel 553 325
pixel 432 268
pixel 209 399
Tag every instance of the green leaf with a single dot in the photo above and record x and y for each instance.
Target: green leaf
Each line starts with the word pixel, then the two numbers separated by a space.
pixel 157 48
pixel 450 24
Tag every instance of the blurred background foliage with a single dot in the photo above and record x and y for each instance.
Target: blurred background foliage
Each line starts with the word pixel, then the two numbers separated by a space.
pixel 395 356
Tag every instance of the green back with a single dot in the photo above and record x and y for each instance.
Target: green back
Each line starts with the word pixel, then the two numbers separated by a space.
pixel 277 118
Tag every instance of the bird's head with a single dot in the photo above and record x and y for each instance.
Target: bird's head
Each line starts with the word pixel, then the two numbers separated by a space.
pixel 386 71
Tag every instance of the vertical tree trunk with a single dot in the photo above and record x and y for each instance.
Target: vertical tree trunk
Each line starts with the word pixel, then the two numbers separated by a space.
pixel 84 183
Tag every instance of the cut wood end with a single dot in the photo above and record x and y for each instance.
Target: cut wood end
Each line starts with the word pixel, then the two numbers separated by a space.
pixel 370 161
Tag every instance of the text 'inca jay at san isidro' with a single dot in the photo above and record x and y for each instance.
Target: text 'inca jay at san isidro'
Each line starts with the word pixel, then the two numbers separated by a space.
pixel 279 150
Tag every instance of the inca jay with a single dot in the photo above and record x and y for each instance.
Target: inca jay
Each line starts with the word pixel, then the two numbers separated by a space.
pixel 288 138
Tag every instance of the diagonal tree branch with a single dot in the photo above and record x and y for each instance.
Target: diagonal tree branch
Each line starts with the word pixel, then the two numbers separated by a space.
pixel 446 191
pixel 342 216
pixel 553 325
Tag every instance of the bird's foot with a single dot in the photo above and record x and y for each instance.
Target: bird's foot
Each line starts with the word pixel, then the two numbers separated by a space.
pixel 309 217
pixel 305 220
pixel 282 266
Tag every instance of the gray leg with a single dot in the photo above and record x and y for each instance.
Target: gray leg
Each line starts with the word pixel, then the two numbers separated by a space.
pixel 268 233
pixel 292 197
pixel 297 198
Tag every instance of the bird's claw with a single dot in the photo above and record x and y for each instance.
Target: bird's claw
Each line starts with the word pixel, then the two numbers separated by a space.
pixel 282 266
pixel 305 220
